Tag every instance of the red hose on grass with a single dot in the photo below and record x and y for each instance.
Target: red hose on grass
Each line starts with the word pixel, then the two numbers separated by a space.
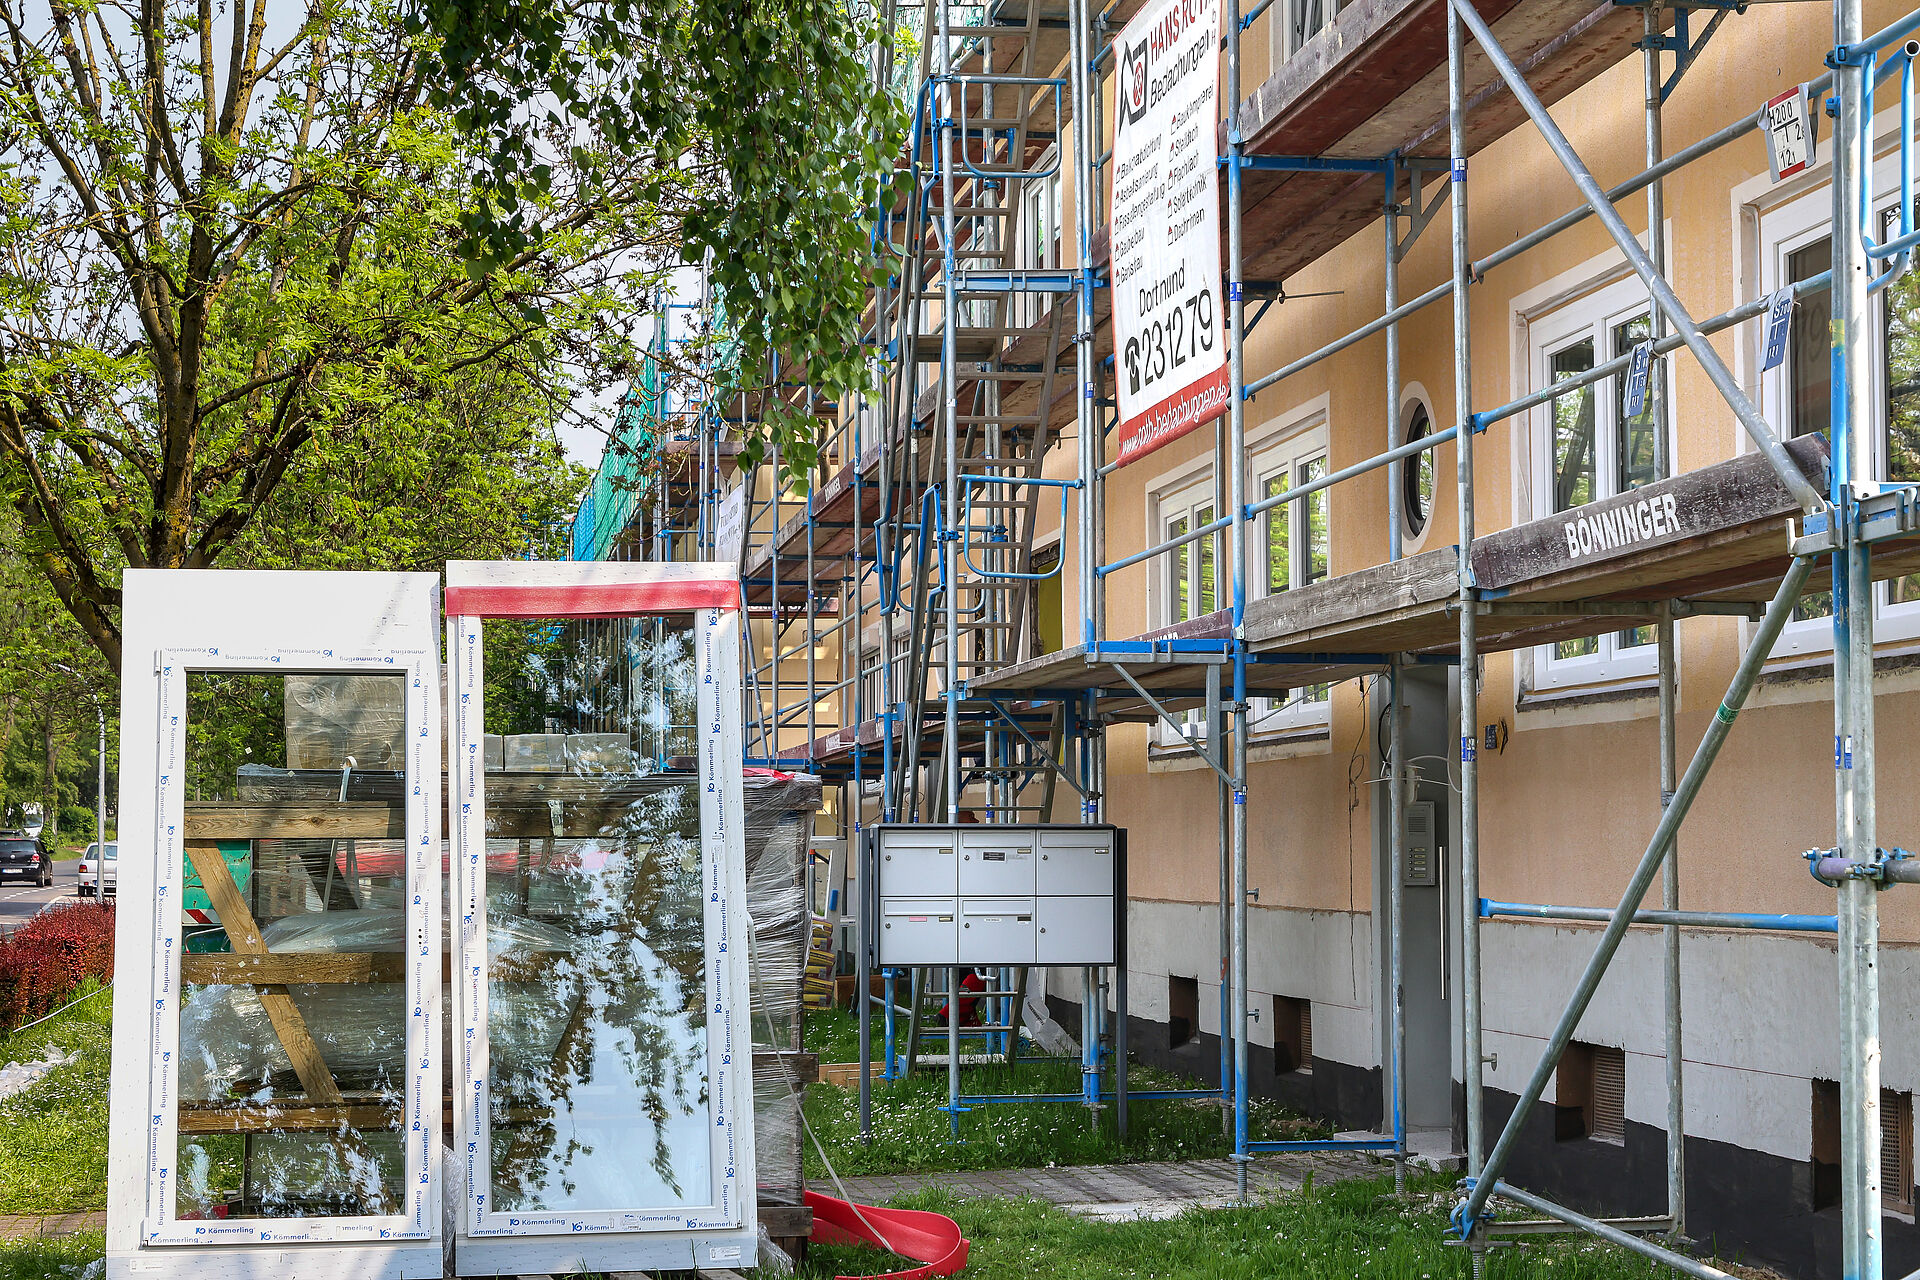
pixel 930 1238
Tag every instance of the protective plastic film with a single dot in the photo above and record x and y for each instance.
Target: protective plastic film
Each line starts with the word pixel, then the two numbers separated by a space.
pixel 295 1075
pixel 602 1056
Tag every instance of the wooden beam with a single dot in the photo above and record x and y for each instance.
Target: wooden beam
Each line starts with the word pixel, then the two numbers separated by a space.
pixel 244 936
pixel 301 968
pixel 326 1119
pixel 295 820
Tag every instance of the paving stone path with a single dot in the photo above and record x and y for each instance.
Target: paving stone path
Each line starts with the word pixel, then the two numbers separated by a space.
pixel 1158 1189
pixel 1153 1190
pixel 46 1227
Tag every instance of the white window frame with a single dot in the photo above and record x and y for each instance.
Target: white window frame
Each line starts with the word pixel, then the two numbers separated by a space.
pixel 277 623
pixel 721 1232
pixel 1594 315
pixel 1804 219
pixel 1039 201
pixel 1188 496
pixel 1282 15
pixel 1292 454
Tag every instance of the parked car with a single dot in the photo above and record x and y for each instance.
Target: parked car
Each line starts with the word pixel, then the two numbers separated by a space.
pixel 26 858
pixel 91 866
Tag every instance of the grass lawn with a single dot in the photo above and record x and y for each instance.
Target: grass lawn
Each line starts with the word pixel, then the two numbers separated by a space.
pixel 1346 1230
pixel 912 1134
pixel 53 1136
pixel 64 1259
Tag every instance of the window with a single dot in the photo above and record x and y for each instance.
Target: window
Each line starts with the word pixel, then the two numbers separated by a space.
pixel 1183 1010
pixel 1797 243
pixel 1038 244
pixel 1305 20
pixel 1292 1035
pixel 1293 540
pixel 1417 476
pixel 1896 1148
pixel 1588 445
pixel 1590 1086
pixel 1188 583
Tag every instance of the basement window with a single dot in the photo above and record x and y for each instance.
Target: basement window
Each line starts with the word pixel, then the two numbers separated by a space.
pixel 1896 1152
pixel 1896 1149
pixel 1591 1085
pixel 1292 1035
pixel 1183 1010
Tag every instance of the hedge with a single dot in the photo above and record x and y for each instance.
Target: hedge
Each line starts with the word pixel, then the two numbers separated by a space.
pixel 46 958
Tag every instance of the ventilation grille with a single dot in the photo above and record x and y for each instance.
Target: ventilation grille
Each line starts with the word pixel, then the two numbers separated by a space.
pixel 1609 1117
pixel 1306 1034
pixel 1896 1151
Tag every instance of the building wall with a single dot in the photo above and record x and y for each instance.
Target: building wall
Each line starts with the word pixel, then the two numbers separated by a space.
pixel 1568 804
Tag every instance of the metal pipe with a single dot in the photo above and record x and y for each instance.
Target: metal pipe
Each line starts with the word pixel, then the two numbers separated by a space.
pixel 1853 599
pixel 1662 293
pixel 1469 639
pixel 1086 406
pixel 1396 919
pixel 1217 739
pixel 1393 758
pixel 1607 1231
pixel 1751 662
pixel 1652 85
pixel 950 420
pixel 1489 909
pixel 1237 455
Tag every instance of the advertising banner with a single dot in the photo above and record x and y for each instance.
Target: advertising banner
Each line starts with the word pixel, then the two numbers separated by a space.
pixel 1169 319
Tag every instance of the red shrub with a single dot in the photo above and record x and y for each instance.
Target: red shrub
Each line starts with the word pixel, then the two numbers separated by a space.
pixel 47 957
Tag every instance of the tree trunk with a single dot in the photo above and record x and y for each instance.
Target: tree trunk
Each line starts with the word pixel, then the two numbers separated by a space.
pixel 50 781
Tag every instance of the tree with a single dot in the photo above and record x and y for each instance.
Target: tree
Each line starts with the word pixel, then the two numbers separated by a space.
pixel 786 107
pixel 233 262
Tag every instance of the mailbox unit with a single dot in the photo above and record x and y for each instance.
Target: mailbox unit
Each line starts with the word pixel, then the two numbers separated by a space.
pixel 1002 894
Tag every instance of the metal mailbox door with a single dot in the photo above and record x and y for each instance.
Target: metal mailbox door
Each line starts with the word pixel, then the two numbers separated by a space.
pixel 915 931
pixel 996 931
pixel 917 862
pixel 1075 862
pixel 1073 931
pixel 996 863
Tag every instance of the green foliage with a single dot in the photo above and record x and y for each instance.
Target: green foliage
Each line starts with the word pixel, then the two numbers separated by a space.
pixel 53 1136
pixel 912 1134
pixel 62 1258
pixel 1324 1232
pixel 237 326
pixel 783 127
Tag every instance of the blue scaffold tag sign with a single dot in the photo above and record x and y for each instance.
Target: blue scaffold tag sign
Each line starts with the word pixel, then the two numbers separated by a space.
pixel 1779 322
pixel 1467 747
pixel 1637 379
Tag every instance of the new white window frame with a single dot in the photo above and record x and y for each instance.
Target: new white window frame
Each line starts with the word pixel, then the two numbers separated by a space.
pixel 723 1230
pixel 1038 244
pixel 1803 220
pixel 1299 457
pixel 1189 499
pixel 277 623
pixel 1595 317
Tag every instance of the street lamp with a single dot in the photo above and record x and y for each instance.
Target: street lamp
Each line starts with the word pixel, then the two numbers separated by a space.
pixel 99 797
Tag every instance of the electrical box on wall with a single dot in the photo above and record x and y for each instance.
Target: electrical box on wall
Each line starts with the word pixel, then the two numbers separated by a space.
pixel 1000 894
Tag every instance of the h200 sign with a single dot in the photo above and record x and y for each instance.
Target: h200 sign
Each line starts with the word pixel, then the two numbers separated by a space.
pixel 1164 219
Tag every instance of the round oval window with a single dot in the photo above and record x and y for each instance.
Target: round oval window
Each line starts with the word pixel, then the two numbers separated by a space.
pixel 1416 475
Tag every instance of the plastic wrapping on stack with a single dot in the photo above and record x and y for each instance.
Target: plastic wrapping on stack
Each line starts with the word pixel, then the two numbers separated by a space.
pixel 779 810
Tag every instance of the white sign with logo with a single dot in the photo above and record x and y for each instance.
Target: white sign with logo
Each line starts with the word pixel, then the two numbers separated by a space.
pixel 730 526
pixel 1169 320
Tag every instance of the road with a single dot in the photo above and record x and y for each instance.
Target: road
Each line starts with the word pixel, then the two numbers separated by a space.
pixel 20 902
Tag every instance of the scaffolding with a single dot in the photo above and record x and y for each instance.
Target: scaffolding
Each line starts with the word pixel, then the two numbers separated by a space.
pixel 903 582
